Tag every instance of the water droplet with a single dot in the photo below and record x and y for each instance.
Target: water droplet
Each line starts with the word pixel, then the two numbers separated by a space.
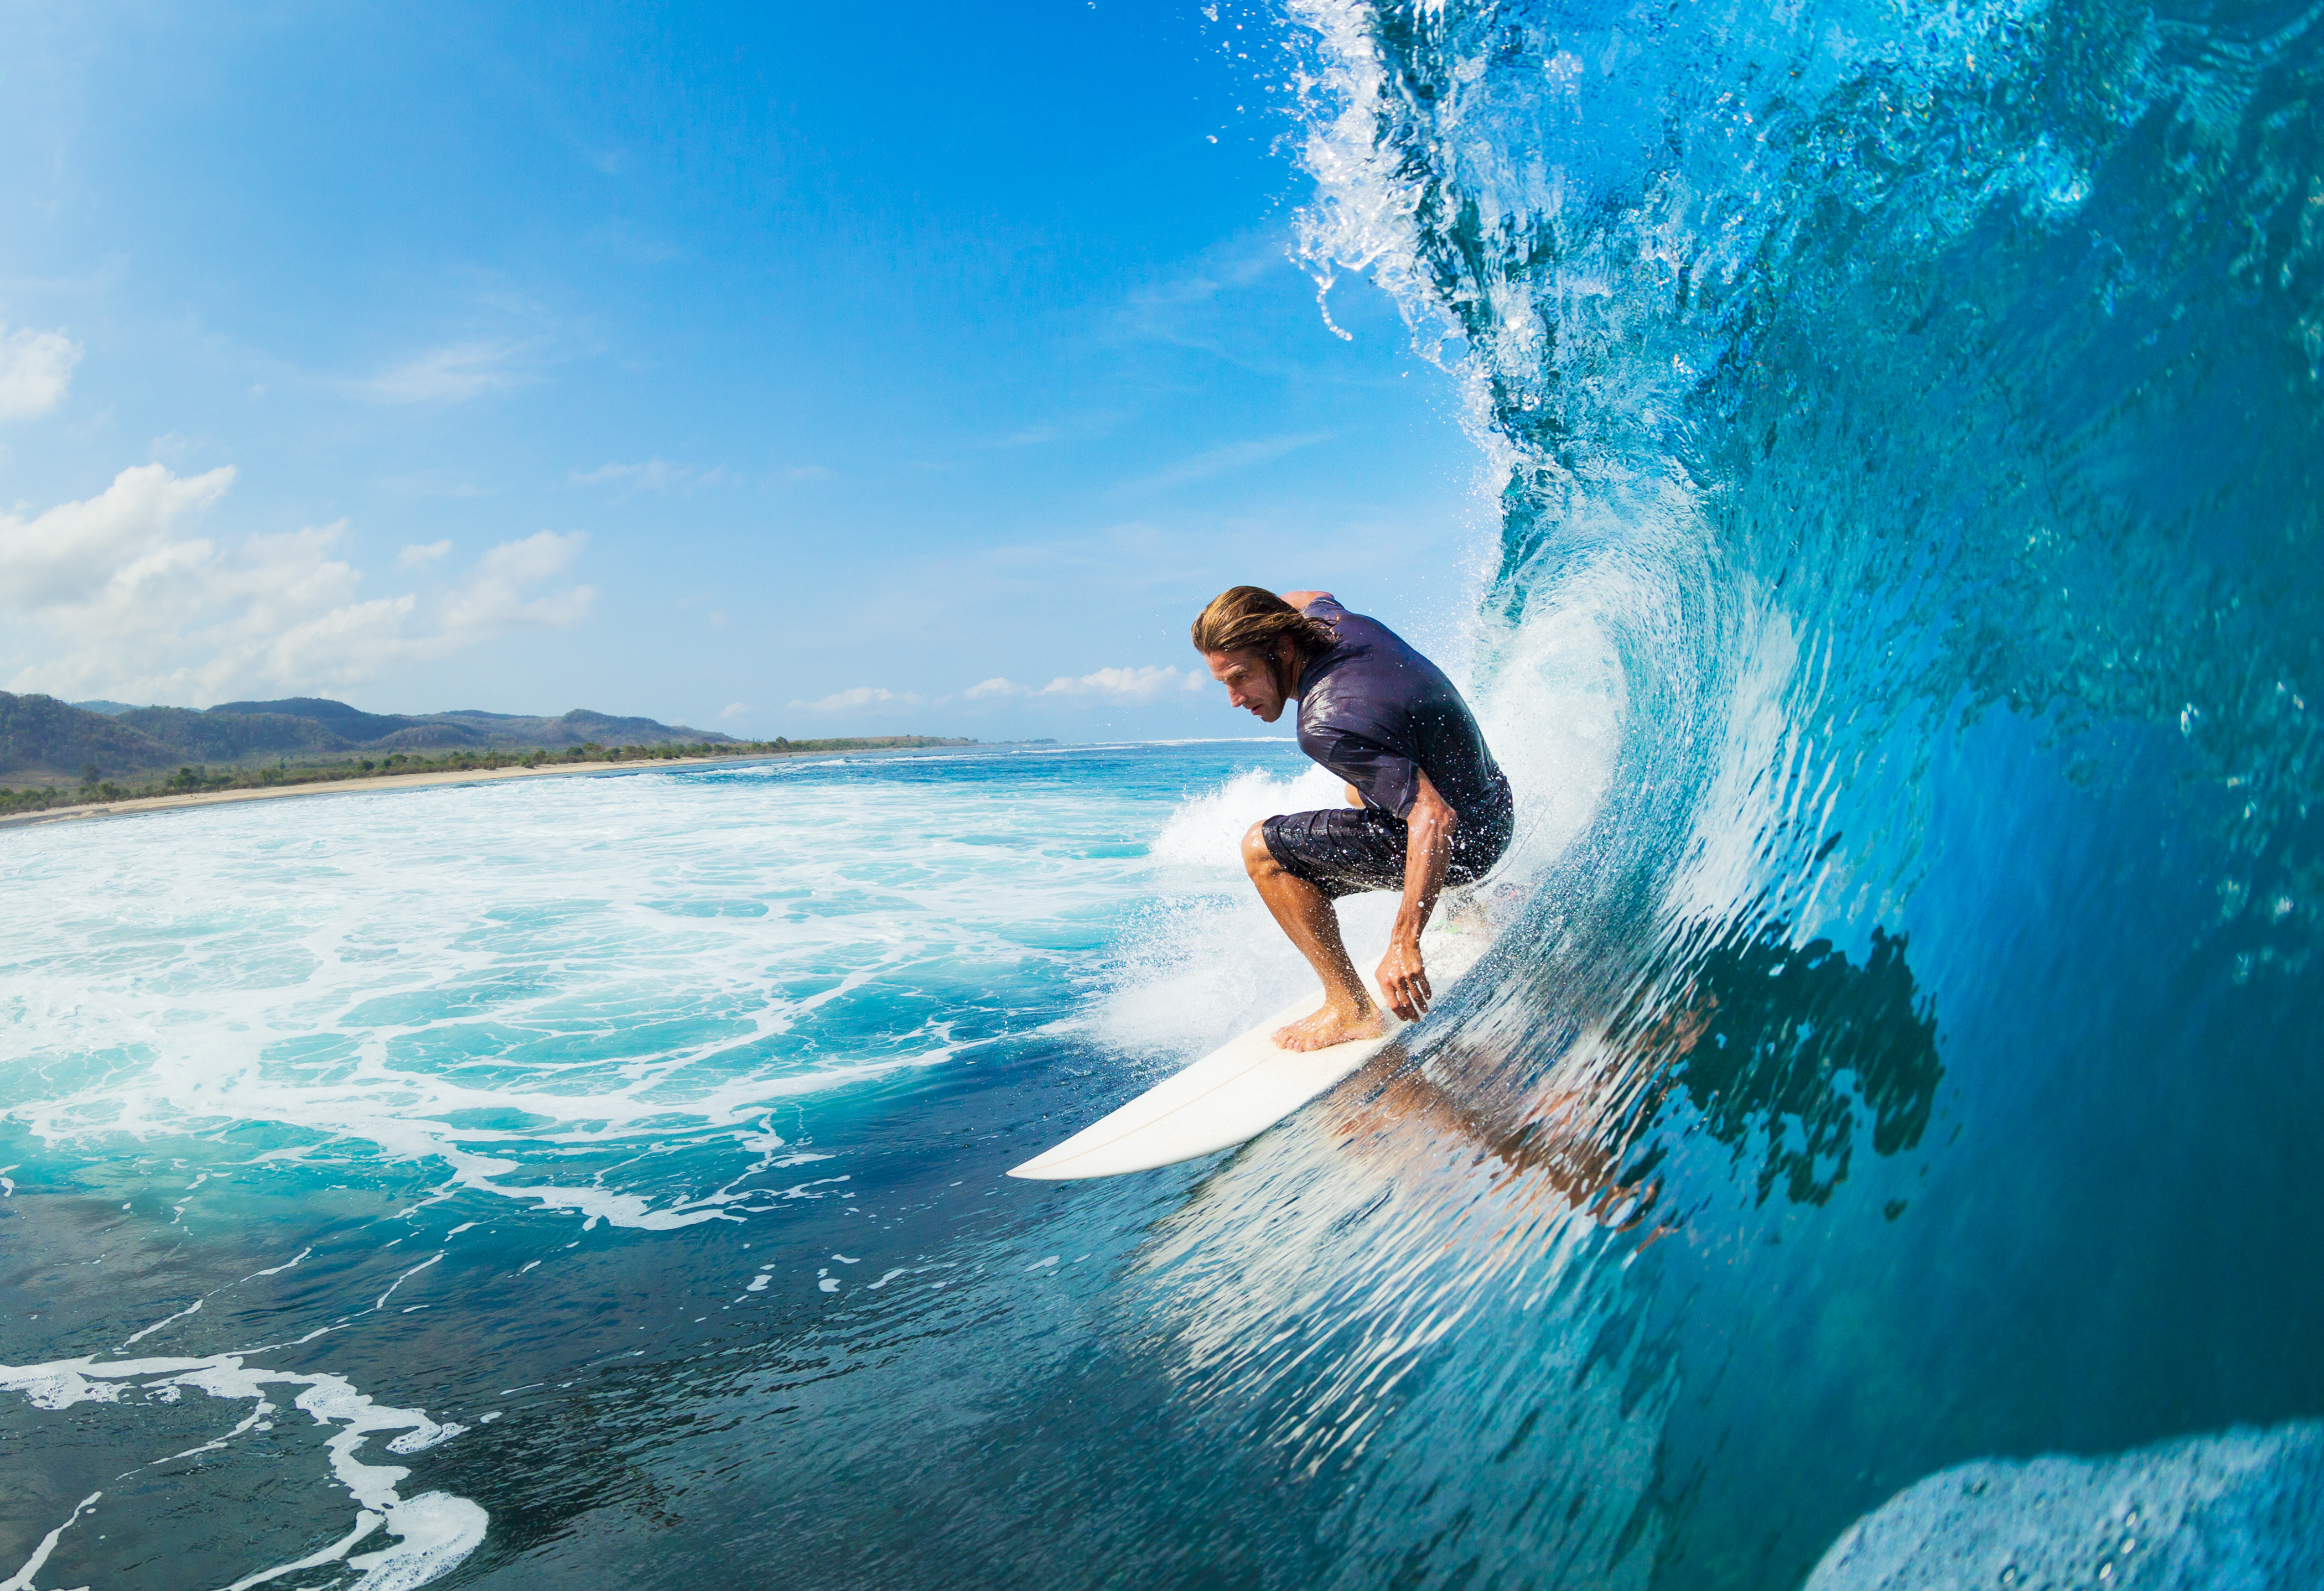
pixel 2106 1571
pixel 2009 1574
pixel 2130 1520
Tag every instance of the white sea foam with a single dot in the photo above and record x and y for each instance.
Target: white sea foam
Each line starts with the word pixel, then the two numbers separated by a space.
pixel 433 1531
pixel 2234 1509
pixel 546 988
pixel 1207 962
pixel 499 978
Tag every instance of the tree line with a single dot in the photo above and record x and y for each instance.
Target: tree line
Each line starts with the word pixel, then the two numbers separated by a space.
pixel 197 778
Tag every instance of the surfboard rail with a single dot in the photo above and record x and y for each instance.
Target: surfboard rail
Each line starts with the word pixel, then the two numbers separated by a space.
pixel 1238 1090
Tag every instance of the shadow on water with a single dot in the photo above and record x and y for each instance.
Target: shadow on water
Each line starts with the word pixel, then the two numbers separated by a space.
pixel 1773 1051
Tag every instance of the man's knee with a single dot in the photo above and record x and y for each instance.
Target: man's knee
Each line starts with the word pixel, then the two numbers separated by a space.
pixel 1256 858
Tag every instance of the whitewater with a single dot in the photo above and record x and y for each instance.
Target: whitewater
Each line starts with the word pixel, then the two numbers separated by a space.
pixel 1877 1151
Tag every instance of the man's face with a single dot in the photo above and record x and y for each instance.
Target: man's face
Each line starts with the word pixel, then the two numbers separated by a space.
pixel 1251 683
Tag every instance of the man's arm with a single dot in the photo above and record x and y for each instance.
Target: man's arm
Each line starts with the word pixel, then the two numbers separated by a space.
pixel 1428 849
pixel 1300 598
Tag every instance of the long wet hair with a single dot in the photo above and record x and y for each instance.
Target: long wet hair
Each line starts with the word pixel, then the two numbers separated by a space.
pixel 1248 619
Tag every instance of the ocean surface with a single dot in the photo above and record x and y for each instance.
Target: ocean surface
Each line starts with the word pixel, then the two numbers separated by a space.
pixel 1880 1149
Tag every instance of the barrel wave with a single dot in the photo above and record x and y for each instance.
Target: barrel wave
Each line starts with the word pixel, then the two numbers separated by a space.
pixel 1877 1150
pixel 1922 402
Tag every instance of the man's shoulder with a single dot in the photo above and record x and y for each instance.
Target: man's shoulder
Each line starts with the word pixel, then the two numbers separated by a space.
pixel 1350 698
pixel 1358 633
pixel 1371 649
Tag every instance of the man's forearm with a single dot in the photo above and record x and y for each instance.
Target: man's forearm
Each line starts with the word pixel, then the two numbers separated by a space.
pixel 1428 849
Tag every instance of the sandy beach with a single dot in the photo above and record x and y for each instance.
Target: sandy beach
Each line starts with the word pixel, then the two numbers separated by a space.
pixel 368 784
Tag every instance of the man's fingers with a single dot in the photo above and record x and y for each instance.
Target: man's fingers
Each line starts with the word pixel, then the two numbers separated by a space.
pixel 1408 995
pixel 1406 987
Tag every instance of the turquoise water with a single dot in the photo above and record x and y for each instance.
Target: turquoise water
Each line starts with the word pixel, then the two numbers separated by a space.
pixel 1878 1151
pixel 434 1118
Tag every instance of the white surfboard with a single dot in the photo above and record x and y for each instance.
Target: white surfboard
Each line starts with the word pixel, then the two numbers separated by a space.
pixel 1238 1090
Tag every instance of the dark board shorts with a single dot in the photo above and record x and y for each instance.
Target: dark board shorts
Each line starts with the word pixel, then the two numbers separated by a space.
pixel 1347 850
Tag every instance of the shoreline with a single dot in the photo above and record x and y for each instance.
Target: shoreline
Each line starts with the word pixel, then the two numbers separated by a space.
pixel 371 783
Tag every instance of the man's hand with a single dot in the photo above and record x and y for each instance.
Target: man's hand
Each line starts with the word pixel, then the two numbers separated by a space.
pixel 1404 980
pixel 1427 849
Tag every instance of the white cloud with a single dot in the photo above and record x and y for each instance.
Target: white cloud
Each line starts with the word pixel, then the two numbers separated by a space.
pixel 418 555
pixel 656 474
pixel 452 374
pixel 1126 685
pixel 1107 684
pixel 798 474
pixel 1219 461
pixel 66 558
pixel 733 710
pixel 35 368
pixel 493 600
pixel 651 475
pixel 434 484
pixel 134 606
pixel 860 696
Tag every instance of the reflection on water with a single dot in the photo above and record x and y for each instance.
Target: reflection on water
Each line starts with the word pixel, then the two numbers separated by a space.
pixel 1781 1050
pixel 1778 1052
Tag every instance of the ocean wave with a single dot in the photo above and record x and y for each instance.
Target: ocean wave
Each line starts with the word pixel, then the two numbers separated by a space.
pixel 2234 1509
pixel 1903 421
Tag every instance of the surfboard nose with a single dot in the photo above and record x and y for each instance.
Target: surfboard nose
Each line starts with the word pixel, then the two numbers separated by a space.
pixel 1231 1095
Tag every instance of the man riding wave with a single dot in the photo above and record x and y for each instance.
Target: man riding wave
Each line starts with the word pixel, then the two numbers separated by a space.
pixel 1427 806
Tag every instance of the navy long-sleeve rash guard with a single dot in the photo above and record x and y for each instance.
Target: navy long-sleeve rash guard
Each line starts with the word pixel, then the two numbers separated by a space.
pixel 1378 713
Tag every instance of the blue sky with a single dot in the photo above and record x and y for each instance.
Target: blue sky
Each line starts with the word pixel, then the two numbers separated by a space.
pixel 757 368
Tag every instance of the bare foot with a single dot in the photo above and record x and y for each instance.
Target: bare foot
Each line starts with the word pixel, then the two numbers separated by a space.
pixel 1330 1026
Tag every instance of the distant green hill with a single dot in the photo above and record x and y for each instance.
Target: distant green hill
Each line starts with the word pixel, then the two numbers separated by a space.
pixel 42 736
pixel 44 740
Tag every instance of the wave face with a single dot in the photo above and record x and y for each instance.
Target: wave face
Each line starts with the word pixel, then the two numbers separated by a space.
pixel 1925 404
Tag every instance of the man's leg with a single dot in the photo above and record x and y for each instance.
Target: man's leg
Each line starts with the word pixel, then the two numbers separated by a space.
pixel 1308 918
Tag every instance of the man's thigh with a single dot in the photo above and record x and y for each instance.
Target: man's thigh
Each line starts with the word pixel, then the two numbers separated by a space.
pixel 1340 850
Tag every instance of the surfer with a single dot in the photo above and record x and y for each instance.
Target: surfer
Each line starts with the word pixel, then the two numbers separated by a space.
pixel 1426 806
